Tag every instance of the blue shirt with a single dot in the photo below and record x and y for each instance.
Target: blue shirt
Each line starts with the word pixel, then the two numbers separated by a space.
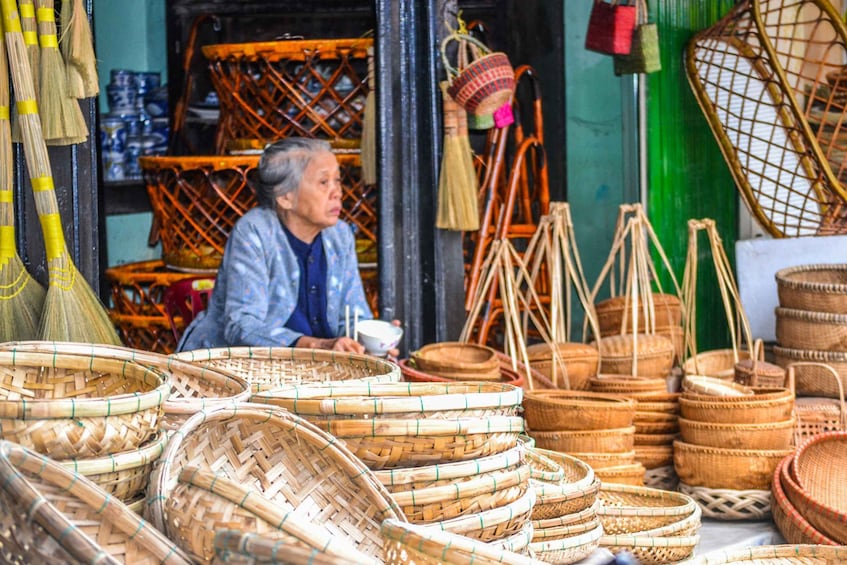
pixel 309 316
pixel 258 283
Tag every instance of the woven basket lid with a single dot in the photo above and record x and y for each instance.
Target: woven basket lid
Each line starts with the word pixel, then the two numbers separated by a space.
pixel 568 351
pixel 763 368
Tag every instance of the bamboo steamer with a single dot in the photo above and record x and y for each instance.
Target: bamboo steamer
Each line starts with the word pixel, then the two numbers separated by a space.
pixel 768 435
pixel 821 288
pixel 721 468
pixel 611 313
pixel 617 440
pixel 581 361
pixel 457 360
pixel 804 329
pixel 550 410
pixel 655 355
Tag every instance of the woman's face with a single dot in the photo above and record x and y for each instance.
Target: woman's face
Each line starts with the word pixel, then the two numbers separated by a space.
pixel 316 204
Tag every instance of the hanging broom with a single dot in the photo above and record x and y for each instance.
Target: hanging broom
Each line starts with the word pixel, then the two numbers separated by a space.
pixel 369 173
pixel 78 50
pixel 33 51
pixel 61 116
pixel 72 312
pixel 457 190
pixel 21 297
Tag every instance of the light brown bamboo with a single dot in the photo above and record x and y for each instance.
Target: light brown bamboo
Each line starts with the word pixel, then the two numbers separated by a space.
pixel 78 50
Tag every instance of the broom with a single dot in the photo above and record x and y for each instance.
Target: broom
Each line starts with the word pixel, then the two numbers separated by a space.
pixel 78 50
pixel 72 312
pixel 21 297
pixel 61 116
pixel 33 51
pixel 457 190
pixel 369 127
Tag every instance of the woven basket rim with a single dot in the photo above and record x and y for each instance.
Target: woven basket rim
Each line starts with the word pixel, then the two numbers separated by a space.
pixel 285 47
pixel 147 453
pixel 430 355
pixel 816 442
pixel 629 430
pixel 412 374
pixel 543 468
pixel 694 448
pixel 114 405
pixel 810 506
pixel 565 530
pixel 548 493
pixel 486 483
pixel 579 399
pixel 572 542
pixel 352 398
pixel 784 277
pixel 811 316
pixel 516 542
pixel 571 466
pixel 761 552
pixel 651 340
pixel 791 513
pixel 491 517
pixel 729 427
pixel 813 354
pixel 72 538
pixel 585 514
pixel 624 540
pixel 452 470
pixel 284 354
pixel 415 427
pixel 684 505
pixel 763 397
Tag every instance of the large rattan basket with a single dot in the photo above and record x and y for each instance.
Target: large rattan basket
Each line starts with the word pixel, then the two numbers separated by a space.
pixel 767 405
pixel 766 435
pixel 268 368
pixel 612 314
pixel 722 468
pixel 71 406
pixel 811 377
pixel 793 526
pixel 50 514
pixel 613 440
pixel 819 288
pixel 645 355
pixel 818 467
pixel 270 472
pixel 804 329
pixel 550 409
pixel 582 361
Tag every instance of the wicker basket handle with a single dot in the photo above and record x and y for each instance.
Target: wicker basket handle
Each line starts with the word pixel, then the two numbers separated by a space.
pixel 834 373
pixel 465 42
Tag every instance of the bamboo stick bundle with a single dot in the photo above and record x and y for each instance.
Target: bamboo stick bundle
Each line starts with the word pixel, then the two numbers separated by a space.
pixel 61 116
pixel 369 174
pixel 72 312
pixel 21 297
pixel 78 50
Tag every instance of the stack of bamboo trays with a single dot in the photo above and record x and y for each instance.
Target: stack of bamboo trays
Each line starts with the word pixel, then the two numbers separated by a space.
pixel 655 526
pixel 733 437
pixel 432 437
pixel 593 427
pixel 656 424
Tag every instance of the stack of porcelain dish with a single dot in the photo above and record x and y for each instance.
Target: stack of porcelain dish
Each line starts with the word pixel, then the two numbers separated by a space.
pixel 732 438
pixel 446 451
pixel 655 526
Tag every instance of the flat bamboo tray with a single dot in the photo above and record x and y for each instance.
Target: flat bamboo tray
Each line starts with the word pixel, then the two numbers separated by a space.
pixel 720 468
pixel 821 288
pixel 627 509
pixel 268 368
pixel 52 515
pixel 548 410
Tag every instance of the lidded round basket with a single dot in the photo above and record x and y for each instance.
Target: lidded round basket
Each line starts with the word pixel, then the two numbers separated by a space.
pixel 262 469
pixel 820 288
pixel 581 361
pixel 71 406
pixel 654 353
pixel 268 368
pixel 549 410
pixel 458 361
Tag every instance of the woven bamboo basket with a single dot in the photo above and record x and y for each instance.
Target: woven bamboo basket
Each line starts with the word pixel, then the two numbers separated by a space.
pixel 780 555
pixel 575 494
pixel 194 387
pixel 802 329
pixel 773 406
pixel 663 478
pixel 792 525
pixel 407 543
pixel 757 372
pixel 561 532
pixel 72 406
pixel 238 547
pixel 654 355
pixel 632 474
pixel 721 468
pixel 494 524
pixel 615 440
pixel 581 517
pixel 730 504
pixel 458 361
pixel 268 368
pixel 52 515
pixel 548 410
pixel 686 526
pixel 568 550
pixel 582 361
pixel 654 456
pixel 718 363
pixel 597 460
pixel 627 384
pixel 811 376
pixel 612 312
pixel 818 288
pixel 775 435
pixel 413 375
pixel 626 509
pixel 655 423
pixel 517 543
pixel 543 468
pixel 288 468
pixel 826 520
pixel 819 468
pixel 652 550
pixel 710 386
pixel 654 439
pixel 123 475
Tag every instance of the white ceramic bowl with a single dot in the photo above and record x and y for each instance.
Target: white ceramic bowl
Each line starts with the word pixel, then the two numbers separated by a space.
pixel 378 336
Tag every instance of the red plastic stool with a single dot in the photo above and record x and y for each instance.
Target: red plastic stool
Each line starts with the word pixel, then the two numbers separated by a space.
pixel 186 298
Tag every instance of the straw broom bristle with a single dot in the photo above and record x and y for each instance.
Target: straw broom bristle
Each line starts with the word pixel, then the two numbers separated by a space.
pixel 62 119
pixel 78 50
pixel 72 311
pixel 457 182
pixel 21 297
pixel 468 189
pixel 369 174
pixel 33 51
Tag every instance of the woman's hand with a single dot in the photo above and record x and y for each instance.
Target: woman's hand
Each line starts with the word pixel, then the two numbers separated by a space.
pixel 334 343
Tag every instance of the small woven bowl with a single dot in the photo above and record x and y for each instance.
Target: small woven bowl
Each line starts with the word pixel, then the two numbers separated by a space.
pixel 458 361
pixel 547 410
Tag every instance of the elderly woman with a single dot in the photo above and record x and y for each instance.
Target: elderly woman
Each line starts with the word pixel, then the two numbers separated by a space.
pixel 289 273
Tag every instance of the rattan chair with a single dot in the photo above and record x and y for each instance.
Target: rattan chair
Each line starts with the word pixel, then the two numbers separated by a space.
pixel 742 86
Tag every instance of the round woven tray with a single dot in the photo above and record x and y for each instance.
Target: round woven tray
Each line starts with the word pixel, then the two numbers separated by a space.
pixel 720 468
pixel 72 406
pixel 80 523
pixel 652 550
pixel 268 368
pixel 776 435
pixel 616 440
pixel 582 361
pixel 826 520
pixel 626 509
pixel 729 504
pixel 792 525
pixel 567 550
pixel 494 524
pixel 457 360
pixel 298 482
pixel 821 288
pixel 803 329
pixel 235 546
pixel 575 493
pixel 547 410
pixel 585 515
pixel 413 375
pixel 819 469
pixel 655 355
pixel 194 387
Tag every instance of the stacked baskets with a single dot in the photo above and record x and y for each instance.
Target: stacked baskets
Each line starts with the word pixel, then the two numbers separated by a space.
pixel 454 361
pixel 613 318
pixel 732 440
pixel 596 428
pixel 810 504
pixel 427 443
pixel 655 526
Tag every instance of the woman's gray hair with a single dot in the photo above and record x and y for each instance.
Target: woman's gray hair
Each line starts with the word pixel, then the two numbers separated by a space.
pixel 282 165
